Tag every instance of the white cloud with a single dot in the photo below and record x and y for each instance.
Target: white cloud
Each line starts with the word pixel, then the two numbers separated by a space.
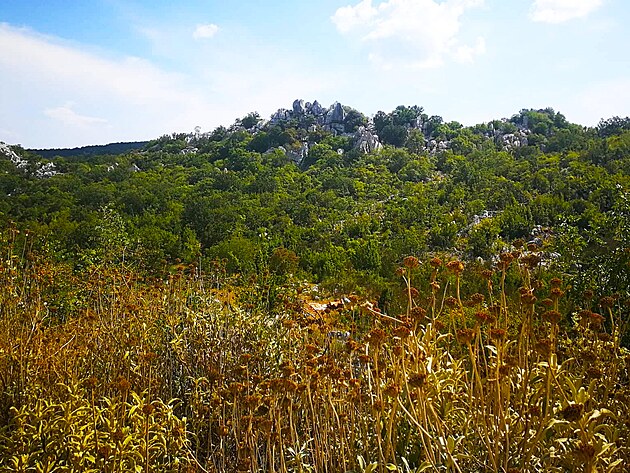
pixel 205 31
pixel 132 98
pixel 413 33
pixel 68 116
pixel 129 98
pixel 559 11
pixel 466 54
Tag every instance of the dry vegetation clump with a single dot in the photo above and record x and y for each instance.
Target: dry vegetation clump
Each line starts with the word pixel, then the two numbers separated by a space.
pixel 109 371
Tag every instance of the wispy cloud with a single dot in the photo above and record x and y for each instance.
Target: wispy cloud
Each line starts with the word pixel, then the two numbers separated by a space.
pixel 411 33
pixel 130 98
pixel 66 115
pixel 559 11
pixel 205 31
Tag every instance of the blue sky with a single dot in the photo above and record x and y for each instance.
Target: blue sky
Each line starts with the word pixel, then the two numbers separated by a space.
pixel 98 71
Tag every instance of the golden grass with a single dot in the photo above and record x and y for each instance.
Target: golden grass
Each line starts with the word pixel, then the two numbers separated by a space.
pixel 110 371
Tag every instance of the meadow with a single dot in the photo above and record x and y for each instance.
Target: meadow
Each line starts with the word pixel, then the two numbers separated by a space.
pixel 469 369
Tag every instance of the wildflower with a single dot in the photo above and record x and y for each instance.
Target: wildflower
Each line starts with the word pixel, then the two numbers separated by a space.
pixel 595 320
pixel 486 274
pixel 417 380
pixel 528 297
pixel 572 412
pixel 411 262
pixel 148 409
pixel 477 298
pixel 607 302
pixel 543 346
pixel 118 435
pixel 91 382
pixel 391 390
pixel 593 372
pixel 456 267
pixel 506 257
pixel 450 301
pixel 556 292
pixel 497 334
pixel 123 385
pixel 435 262
pixel 552 316
pixel 376 336
pixel 547 302
pixel 604 337
pixel 588 294
pixel 402 331
pixel 530 260
pixel 584 451
pixel 555 282
pixel 465 335
pixel 418 313
pixel 482 316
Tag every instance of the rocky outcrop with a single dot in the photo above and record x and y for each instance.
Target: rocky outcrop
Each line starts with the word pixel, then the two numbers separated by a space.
pixel 37 169
pixel 336 114
pixel 331 118
pixel 299 107
pixel 17 161
pixel 366 141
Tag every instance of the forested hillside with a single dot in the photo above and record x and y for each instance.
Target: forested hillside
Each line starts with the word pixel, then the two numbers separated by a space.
pixel 346 199
pixel 321 291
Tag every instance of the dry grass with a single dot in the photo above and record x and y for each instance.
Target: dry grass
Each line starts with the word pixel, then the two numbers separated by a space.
pixel 107 371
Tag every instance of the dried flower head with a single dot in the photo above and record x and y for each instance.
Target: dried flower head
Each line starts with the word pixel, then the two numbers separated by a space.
pixel 456 267
pixel 552 316
pixel 417 380
pixel 497 334
pixel 435 262
pixel 411 262
pixel 391 390
pixel 547 302
pixel 572 412
pixel 418 313
pixel 465 335
pixel 450 301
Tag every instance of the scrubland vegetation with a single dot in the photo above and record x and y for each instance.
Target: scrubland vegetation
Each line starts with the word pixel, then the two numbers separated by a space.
pixel 233 310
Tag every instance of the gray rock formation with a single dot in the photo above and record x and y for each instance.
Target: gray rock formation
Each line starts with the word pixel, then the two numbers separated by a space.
pixel 366 141
pixel 316 109
pixel 298 107
pixel 336 114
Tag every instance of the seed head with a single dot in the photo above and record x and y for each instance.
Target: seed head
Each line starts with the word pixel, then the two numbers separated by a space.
pixel 411 262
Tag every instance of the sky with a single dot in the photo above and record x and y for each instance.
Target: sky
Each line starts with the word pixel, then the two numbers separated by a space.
pixel 75 73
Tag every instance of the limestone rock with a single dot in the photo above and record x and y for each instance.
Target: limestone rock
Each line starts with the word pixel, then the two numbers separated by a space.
pixel 316 109
pixel 298 107
pixel 336 114
pixel 366 141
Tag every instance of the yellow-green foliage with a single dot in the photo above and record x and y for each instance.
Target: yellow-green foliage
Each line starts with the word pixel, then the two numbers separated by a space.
pixel 456 382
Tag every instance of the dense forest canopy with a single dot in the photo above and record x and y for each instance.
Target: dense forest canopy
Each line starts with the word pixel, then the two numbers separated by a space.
pixel 346 195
